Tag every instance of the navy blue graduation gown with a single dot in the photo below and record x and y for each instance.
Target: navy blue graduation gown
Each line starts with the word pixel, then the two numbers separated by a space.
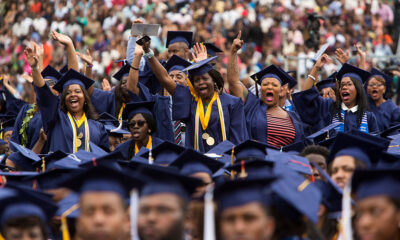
pixel 387 114
pixel 58 127
pixel 184 109
pixel 33 130
pixel 123 148
pixel 316 111
pixel 256 119
pixel 103 101
pixel 13 105
pixel 147 77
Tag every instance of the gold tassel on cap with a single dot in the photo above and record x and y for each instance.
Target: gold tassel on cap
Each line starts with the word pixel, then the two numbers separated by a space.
pixel 64 224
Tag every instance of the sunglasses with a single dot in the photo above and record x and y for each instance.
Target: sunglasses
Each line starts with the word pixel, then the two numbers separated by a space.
pixel 140 123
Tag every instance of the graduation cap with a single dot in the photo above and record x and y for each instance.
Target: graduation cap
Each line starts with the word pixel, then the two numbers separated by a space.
pixel 106 118
pixel 134 108
pixel 8 125
pixel 212 50
pixel 293 81
pixel 348 70
pixel 52 74
pixel 221 147
pixel 26 203
pixel 249 149
pixel 108 160
pixel 389 161
pixel 394 130
pixel 240 192
pixel 73 77
pixel 74 159
pixel 297 192
pixel 272 71
pixel 394 146
pixel 326 83
pixel 52 179
pixel 64 69
pixel 103 179
pixel 176 63
pixel 191 162
pixel 388 79
pixel 294 147
pixel 164 154
pixel 49 159
pixel 110 124
pixel 66 204
pixel 122 72
pixel 167 180
pixel 292 161
pixel 364 148
pixel 325 133
pixel 200 68
pixel 19 177
pixel 23 157
pixel 179 36
pixel 254 168
pixel 377 182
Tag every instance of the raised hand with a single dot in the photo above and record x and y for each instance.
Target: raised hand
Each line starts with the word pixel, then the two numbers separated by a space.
pixel 87 58
pixel 137 21
pixel 139 50
pixel 146 46
pixel 342 56
pixel 237 43
pixel 200 52
pixel 31 57
pixel 105 84
pixel 324 59
pixel 360 52
pixel 61 38
pixel 27 77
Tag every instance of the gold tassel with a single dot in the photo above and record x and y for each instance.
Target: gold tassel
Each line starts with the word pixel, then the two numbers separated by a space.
pixel 43 165
pixel 64 224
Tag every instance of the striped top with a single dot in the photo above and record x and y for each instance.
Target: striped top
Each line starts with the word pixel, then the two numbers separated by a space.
pixel 280 131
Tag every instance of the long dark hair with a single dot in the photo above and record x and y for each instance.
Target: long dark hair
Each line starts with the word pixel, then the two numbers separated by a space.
pixel 361 102
pixel 216 77
pixel 120 98
pixel 152 126
pixel 87 107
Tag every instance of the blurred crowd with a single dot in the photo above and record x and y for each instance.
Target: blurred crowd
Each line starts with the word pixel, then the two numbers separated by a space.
pixel 272 29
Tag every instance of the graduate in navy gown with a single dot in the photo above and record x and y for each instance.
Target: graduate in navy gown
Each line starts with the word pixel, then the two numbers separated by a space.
pixel 386 112
pixel 141 124
pixel 69 123
pixel 350 108
pixel 265 118
pixel 219 118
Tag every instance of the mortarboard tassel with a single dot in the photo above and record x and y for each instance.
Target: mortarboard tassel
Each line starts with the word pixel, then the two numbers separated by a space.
pixel 1 237
pixel 209 225
pixel 43 165
pixel 232 160
pixel 94 162
pixel 118 128
pixel 151 159
pixel 345 229
pixel 243 173
pixel 134 207
pixel 64 224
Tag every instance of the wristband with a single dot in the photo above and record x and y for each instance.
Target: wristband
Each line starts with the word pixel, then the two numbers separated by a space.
pixel 149 54
pixel 137 69
pixel 312 77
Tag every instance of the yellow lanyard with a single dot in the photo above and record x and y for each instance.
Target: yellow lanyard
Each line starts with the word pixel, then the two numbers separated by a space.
pixel 148 146
pixel 1 130
pixel 76 141
pixel 205 119
pixel 204 122
pixel 121 111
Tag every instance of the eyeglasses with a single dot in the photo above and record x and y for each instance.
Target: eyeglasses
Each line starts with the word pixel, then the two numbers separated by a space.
pixel 342 85
pixel 375 84
pixel 140 123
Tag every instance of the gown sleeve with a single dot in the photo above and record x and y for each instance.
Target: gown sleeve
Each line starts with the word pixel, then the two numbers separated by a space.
pixel 103 101
pixel 238 130
pixel 48 105
pixel 372 123
pixel 15 137
pixel 181 103
pixel 312 108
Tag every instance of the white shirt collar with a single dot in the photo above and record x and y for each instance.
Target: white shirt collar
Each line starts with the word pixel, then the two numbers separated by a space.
pixel 353 109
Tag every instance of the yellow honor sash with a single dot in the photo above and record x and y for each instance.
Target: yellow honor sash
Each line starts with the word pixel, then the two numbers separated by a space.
pixel 148 146
pixel 76 142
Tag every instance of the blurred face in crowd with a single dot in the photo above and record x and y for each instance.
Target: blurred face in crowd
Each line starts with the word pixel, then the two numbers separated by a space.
pixel 270 91
pixel 180 49
pixel 114 141
pixel 376 88
pixel 206 178
pixel 5 149
pixel 348 92
pixel 161 217
pixel 7 135
pixel 102 216
pixel 178 77
pixel 139 128
pixel 249 222
pixel 285 91
pixel 17 231
pixel 124 86
pixel 320 160
pixel 74 98
pixel 342 170
pixel 204 86
pixel 328 93
pixel 377 218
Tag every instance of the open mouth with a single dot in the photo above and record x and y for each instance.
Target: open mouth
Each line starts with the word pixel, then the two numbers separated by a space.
pixel 345 96
pixel 74 103
pixel 269 96
pixel 374 93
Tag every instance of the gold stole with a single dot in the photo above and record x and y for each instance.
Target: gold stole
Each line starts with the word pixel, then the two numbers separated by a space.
pixel 77 142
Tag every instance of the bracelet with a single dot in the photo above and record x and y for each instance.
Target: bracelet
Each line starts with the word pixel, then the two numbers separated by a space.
pixel 89 65
pixel 149 54
pixel 312 77
pixel 35 67
pixel 137 69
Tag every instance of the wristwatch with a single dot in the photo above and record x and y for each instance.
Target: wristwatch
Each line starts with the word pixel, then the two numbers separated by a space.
pixel 149 54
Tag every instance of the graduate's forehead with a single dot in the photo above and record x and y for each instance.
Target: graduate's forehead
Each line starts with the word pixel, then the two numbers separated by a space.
pixel 270 80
